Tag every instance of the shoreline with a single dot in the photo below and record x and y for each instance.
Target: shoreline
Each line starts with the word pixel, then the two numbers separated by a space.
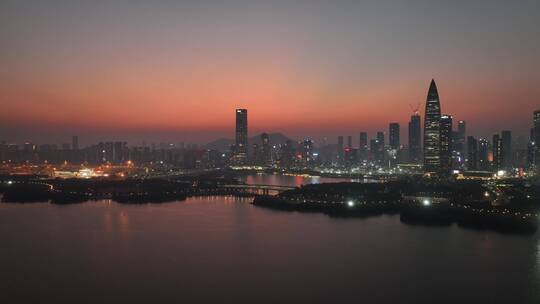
pixel 412 214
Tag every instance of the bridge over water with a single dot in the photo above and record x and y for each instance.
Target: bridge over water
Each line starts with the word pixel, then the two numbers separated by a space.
pixel 257 188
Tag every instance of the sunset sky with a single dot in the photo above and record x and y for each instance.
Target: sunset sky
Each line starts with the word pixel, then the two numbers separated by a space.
pixel 176 70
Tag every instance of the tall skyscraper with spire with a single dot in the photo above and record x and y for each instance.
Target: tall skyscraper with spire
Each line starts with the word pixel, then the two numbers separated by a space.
pixel 432 130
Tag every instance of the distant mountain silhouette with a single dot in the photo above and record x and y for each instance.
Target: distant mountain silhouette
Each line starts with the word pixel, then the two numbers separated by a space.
pixel 223 144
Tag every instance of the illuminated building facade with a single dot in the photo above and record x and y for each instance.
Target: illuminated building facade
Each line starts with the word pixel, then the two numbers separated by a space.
pixel 415 139
pixel 483 151
pixel 241 146
pixel 461 135
pixel 498 152
pixel 446 143
pixel 432 126
pixel 363 146
pixel 537 140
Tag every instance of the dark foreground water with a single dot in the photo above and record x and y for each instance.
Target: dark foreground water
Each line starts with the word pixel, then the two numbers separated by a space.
pixel 224 250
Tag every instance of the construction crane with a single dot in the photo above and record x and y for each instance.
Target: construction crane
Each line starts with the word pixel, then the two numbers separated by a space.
pixel 415 109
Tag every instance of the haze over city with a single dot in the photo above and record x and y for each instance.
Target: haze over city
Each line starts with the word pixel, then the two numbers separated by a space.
pixel 270 151
pixel 176 70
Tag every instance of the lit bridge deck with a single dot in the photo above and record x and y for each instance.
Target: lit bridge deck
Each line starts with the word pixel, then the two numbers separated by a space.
pixel 257 188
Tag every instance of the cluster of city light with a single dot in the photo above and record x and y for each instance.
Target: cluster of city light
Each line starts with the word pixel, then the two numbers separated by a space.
pixel 84 173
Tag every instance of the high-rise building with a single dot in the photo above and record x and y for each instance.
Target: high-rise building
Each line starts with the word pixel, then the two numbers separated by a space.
pixel 472 153
pixel 483 151
pixel 393 135
pixel 507 154
pixel 537 140
pixel 380 137
pixel 363 141
pixel 241 137
pixel 307 151
pixel 287 155
pixel 340 148
pixel 75 142
pixel 498 152
pixel 446 143
pixel 377 148
pixel 266 149
pixel 351 156
pixel 349 141
pixel 531 149
pixel 460 144
pixel 376 151
pixel 363 146
pixel 432 126
pixel 256 157
pixel 415 139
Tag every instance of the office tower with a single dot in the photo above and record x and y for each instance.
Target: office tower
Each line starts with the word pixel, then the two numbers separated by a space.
pixel 380 137
pixel 537 140
pixel 531 150
pixel 460 144
pixel 377 148
pixel 256 154
pixel 241 136
pixel 446 143
pixel 507 155
pixel 75 143
pixel 351 156
pixel 340 150
pixel 373 147
pixel 363 141
pixel 483 151
pixel 266 149
pixel 287 155
pixel 415 139
pixel 497 152
pixel 307 151
pixel 432 130
pixel 472 153
pixel 393 135
pixel 363 146
pixel 349 141
pixel 108 152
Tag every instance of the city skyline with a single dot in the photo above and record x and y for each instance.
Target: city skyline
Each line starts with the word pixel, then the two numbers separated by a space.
pixel 521 141
pixel 126 76
pixel 270 151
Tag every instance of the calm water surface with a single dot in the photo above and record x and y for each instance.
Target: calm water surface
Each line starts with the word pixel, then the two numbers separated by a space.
pixel 225 250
